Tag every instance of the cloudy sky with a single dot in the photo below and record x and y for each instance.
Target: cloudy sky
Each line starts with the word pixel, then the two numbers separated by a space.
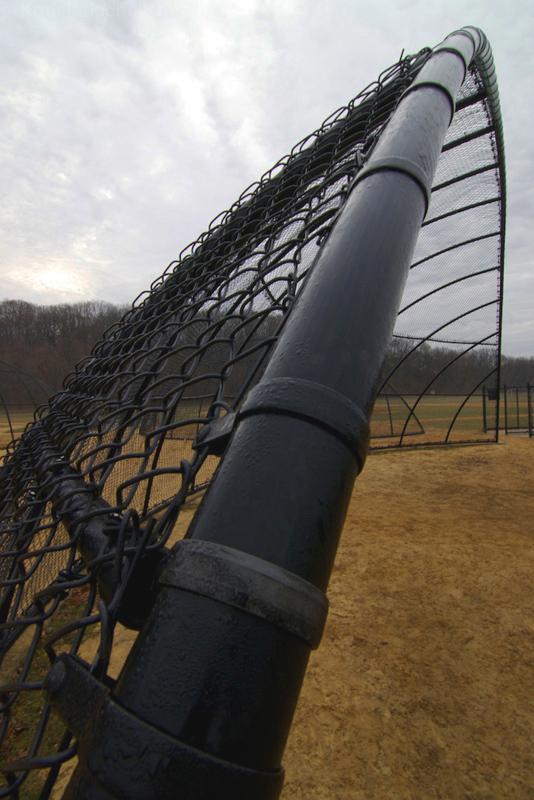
pixel 127 125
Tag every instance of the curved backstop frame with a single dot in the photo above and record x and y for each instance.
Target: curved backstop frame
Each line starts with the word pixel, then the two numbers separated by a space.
pixel 447 341
pixel 265 344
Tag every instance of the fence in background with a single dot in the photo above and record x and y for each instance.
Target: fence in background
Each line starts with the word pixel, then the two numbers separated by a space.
pixel 512 405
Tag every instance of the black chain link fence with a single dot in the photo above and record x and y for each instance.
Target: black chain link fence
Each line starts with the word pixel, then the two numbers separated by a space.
pixel 95 485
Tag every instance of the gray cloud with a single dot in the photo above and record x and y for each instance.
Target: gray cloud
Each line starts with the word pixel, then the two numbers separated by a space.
pixel 129 125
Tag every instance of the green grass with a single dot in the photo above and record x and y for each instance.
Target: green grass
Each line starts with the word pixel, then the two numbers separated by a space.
pixel 436 413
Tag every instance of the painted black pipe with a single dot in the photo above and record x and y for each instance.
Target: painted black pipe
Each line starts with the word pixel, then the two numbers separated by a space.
pixel 204 703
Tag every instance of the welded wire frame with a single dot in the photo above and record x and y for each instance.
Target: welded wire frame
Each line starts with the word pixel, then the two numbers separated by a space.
pixel 121 441
pixel 446 344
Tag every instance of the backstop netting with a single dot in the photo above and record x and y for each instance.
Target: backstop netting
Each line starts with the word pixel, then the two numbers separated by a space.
pixel 446 344
pixel 98 480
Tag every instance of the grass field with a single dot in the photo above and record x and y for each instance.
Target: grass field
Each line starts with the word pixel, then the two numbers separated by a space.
pixel 430 422
pixel 434 415
pixel 433 419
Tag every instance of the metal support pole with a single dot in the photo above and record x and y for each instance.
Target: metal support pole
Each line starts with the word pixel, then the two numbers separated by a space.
pixel 204 703
pixel 390 415
pixel 529 409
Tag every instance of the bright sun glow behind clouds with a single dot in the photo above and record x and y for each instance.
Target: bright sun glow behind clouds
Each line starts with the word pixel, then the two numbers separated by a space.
pixel 60 283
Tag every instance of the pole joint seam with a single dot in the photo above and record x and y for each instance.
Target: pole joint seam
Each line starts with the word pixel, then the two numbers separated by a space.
pixel 398 164
pixel 299 398
pixel 434 84
pixel 314 403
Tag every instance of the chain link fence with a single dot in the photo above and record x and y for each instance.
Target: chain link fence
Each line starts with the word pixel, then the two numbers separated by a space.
pixel 90 495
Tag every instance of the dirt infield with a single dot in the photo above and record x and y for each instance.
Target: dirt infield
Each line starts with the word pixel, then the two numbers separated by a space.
pixel 423 686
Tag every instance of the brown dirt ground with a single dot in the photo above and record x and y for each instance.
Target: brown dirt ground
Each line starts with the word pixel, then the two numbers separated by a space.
pixel 423 686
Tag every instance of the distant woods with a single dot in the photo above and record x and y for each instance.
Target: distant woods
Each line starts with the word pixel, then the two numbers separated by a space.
pixel 517 371
pixel 48 342
pixel 446 369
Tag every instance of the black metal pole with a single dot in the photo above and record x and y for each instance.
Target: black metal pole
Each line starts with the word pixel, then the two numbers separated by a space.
pixel 529 409
pixel 390 414
pixel 204 703
pixel 529 399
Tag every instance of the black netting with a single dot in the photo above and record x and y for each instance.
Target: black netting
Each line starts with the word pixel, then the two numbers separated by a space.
pixel 119 451
pixel 446 343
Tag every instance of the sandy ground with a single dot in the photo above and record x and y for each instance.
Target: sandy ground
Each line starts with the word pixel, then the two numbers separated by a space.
pixel 423 686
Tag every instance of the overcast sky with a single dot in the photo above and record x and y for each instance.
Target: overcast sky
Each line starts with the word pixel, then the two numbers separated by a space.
pixel 127 125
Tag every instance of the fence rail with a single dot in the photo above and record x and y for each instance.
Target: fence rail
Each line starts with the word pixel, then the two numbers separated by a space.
pixel 253 364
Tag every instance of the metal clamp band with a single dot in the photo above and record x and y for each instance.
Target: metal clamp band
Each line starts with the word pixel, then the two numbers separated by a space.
pixel 314 403
pixel 444 74
pixel 448 48
pixel 453 44
pixel 249 583
pixel 435 84
pixel 121 755
pixel 397 164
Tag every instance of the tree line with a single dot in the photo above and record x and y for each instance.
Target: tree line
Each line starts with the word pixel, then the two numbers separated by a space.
pixel 412 368
pixel 48 341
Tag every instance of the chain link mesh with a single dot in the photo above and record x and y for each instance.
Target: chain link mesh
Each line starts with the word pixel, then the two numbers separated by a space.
pixel 117 454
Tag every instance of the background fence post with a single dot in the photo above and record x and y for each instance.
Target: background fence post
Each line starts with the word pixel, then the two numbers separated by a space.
pixel 529 409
